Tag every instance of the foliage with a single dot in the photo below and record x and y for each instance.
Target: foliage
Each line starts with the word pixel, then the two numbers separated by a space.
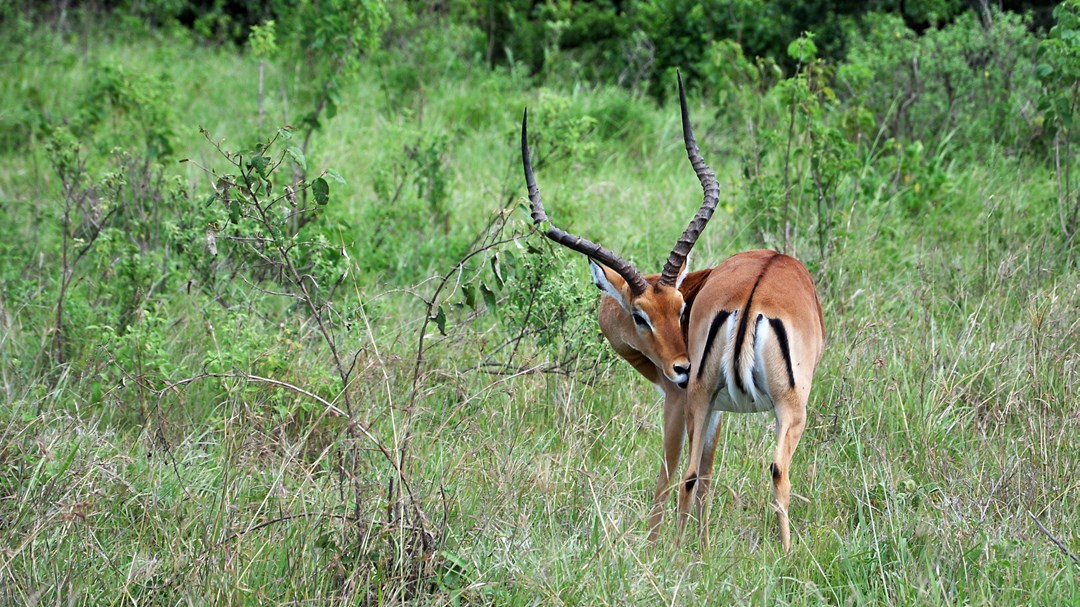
pixel 637 44
pixel 134 103
pixel 1059 72
pixel 968 80
pixel 263 39
pixel 410 208
pixel 247 379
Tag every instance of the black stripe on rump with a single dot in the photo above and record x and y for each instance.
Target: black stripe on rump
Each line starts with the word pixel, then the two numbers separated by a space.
pixel 718 321
pixel 757 374
pixel 741 335
pixel 781 336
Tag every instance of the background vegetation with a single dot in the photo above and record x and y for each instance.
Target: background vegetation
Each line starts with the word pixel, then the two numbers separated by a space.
pixel 274 327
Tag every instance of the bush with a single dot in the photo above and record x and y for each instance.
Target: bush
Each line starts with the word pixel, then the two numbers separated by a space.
pixel 1059 71
pixel 969 81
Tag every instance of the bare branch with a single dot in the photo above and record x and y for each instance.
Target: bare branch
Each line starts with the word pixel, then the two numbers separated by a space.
pixel 1060 544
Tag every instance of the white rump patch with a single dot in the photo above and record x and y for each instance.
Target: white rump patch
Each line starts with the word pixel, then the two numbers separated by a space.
pixel 749 399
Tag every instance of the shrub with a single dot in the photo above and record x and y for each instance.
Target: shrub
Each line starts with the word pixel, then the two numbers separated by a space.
pixel 1059 72
pixel 969 80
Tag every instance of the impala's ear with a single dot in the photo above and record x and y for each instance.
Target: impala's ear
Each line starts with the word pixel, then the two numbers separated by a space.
pixel 609 281
pixel 683 271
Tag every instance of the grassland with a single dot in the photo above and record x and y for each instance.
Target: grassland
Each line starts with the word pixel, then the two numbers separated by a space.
pixel 944 423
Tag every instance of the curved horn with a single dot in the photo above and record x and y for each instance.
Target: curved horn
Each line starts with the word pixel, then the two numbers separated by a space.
pixel 629 273
pixel 711 189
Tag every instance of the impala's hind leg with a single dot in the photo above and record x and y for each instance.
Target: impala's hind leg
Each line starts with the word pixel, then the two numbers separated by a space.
pixel 674 430
pixel 790 422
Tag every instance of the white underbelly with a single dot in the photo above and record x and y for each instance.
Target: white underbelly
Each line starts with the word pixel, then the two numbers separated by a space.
pixel 737 401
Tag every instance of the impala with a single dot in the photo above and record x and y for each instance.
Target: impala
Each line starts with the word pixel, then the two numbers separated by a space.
pixel 744 336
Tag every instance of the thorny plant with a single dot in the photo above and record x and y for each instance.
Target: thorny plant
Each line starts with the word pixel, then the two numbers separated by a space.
pixel 260 235
pixel 263 222
pixel 84 218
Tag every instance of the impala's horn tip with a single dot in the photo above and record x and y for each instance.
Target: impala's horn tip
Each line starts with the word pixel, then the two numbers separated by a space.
pixel 682 104
pixel 525 145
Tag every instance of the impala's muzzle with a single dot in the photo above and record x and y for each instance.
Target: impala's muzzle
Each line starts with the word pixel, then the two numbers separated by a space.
pixel 682 375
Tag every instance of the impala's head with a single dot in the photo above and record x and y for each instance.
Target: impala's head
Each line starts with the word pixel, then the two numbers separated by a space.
pixel 652 319
pixel 654 305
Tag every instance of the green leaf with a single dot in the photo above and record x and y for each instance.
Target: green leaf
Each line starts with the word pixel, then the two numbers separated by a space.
pixel 496 268
pixel 803 49
pixel 451 571
pixel 509 262
pixel 259 163
pixel 440 320
pixel 489 297
pixel 332 174
pixel 1063 111
pixel 234 212
pixel 469 293
pixel 57 471
pixel 453 562
pixel 297 156
pixel 321 190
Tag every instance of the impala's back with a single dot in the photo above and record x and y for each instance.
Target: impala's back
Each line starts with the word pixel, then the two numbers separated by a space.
pixel 756 331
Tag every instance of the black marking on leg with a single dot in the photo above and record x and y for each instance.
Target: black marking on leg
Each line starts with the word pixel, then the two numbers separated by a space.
pixel 781 336
pixel 690 482
pixel 775 472
pixel 740 336
pixel 718 321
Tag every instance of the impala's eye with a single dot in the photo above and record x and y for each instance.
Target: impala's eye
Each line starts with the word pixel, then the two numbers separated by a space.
pixel 640 320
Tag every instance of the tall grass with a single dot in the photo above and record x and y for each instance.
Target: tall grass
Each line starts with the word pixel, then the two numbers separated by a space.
pixel 943 421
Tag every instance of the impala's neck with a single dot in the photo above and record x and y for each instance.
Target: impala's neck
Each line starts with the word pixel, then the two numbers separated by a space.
pixel 689 288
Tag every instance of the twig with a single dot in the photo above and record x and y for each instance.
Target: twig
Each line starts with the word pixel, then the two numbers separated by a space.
pixel 281 519
pixel 1060 190
pixel 322 401
pixel 1060 544
pixel 419 359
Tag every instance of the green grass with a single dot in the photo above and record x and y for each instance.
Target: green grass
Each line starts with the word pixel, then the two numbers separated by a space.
pixel 943 416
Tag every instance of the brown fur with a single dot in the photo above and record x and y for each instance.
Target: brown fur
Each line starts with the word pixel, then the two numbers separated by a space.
pixel 782 289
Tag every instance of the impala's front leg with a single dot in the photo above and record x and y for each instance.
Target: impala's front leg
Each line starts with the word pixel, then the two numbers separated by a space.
pixel 705 473
pixel 697 414
pixel 674 430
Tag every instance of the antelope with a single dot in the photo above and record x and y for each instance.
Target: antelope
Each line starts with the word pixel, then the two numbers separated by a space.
pixel 744 336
